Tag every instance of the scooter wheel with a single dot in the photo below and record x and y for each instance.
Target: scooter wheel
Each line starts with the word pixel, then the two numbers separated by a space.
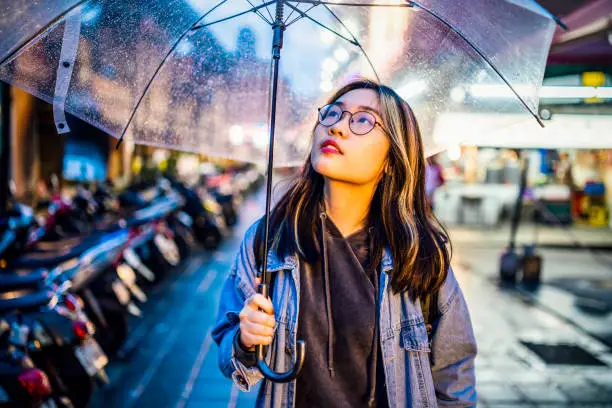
pixel 231 218
pixel 63 402
pixel 212 240
pixel 79 386
pixel 81 392
pixel 159 264
pixel 183 244
pixel 112 337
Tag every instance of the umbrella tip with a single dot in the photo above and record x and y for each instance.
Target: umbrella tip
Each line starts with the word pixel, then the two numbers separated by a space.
pixel 119 143
pixel 560 23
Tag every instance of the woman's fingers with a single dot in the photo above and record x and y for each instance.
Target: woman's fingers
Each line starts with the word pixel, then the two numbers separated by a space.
pixel 261 318
pixel 258 301
pixel 258 329
pixel 257 321
pixel 257 317
pixel 249 340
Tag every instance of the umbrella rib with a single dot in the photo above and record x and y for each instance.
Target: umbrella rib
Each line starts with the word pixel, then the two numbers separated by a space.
pixel 34 37
pixel 318 2
pixel 484 57
pixel 410 3
pixel 159 67
pixel 269 13
pixel 356 42
pixel 259 13
pixel 266 4
pixel 287 19
pixel 302 14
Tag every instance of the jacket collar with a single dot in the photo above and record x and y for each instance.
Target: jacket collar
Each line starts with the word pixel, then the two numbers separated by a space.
pixel 276 263
pixel 387 261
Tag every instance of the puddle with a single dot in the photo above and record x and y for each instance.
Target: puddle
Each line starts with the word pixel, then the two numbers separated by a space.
pixel 563 354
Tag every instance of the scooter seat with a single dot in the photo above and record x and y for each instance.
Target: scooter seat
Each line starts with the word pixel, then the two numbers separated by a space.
pixel 75 245
pixel 25 301
pixel 56 246
pixel 110 223
pixel 34 260
pixel 18 279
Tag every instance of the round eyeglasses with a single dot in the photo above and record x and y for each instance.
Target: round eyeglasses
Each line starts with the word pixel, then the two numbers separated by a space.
pixel 360 123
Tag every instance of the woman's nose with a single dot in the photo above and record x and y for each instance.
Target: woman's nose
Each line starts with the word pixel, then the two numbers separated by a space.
pixel 340 128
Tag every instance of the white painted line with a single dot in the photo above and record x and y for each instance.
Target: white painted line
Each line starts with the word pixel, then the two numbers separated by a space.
pixel 143 328
pixel 194 265
pixel 167 345
pixel 195 370
pixel 233 397
pixel 153 367
pixel 207 281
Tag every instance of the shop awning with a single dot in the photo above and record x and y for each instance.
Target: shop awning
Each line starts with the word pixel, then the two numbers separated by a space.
pixel 589 38
pixel 570 131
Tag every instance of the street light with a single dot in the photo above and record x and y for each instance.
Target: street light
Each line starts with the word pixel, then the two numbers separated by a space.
pixel 341 54
pixel 236 135
pixel 458 94
pixel 329 64
pixel 326 86
pixel 327 37
pixel 412 89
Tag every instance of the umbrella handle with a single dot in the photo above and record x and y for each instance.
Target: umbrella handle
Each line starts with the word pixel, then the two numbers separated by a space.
pixel 267 372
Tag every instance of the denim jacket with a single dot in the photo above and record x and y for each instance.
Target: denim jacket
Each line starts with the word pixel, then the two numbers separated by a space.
pixel 418 373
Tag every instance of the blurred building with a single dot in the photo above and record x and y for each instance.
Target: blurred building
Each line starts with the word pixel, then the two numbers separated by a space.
pixel 570 160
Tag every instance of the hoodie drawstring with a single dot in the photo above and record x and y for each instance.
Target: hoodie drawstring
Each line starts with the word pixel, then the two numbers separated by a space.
pixel 331 335
pixel 330 323
pixel 374 361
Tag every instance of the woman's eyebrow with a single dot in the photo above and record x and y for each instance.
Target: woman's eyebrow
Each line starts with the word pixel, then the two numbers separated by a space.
pixel 367 108
pixel 359 108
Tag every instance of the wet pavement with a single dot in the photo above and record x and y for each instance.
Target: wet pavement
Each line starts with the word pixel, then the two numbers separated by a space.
pixel 171 361
pixel 536 346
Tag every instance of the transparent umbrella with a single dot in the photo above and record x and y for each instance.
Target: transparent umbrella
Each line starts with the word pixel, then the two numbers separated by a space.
pixel 200 75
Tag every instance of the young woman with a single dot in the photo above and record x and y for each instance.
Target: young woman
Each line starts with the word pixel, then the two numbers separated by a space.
pixel 355 256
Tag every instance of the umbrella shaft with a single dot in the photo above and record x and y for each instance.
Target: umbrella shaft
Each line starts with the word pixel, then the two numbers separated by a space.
pixel 277 41
pixel 277 44
pixel 279 28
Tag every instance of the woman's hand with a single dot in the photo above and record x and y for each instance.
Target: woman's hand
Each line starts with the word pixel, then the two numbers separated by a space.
pixel 256 321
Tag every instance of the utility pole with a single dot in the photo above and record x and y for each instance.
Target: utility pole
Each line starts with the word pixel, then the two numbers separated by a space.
pixel 5 145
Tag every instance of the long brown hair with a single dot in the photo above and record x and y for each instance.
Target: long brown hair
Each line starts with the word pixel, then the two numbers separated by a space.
pixel 400 214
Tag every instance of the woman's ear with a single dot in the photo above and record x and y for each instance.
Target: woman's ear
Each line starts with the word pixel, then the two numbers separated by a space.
pixel 387 170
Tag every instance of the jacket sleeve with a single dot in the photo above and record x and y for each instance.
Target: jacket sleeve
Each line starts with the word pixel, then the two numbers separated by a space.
pixel 453 349
pixel 238 286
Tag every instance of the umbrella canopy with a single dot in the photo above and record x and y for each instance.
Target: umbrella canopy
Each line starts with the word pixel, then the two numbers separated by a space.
pixel 195 74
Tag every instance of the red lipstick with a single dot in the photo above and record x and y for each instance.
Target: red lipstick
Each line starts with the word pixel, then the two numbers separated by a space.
pixel 331 147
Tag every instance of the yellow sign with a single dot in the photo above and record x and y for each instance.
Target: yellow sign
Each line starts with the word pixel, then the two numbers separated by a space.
pixel 594 79
pixel 136 165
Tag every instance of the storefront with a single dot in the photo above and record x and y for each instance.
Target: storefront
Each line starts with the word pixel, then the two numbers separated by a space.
pixel 569 171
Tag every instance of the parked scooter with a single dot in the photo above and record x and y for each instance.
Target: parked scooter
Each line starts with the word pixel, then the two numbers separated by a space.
pixel 78 283
pixel 22 384
pixel 46 330
pixel 208 224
